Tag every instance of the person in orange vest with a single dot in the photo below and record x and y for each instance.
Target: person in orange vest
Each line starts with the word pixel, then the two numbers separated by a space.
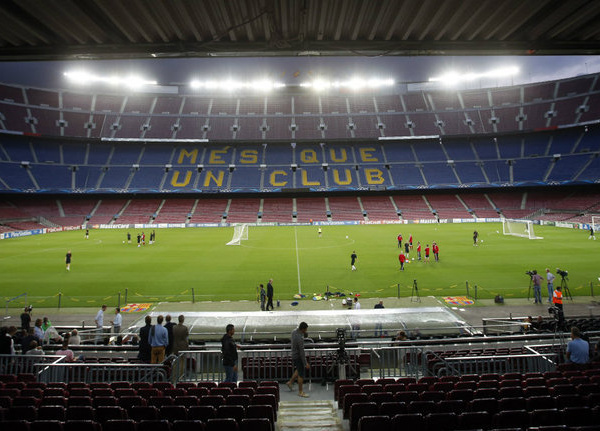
pixel 557 300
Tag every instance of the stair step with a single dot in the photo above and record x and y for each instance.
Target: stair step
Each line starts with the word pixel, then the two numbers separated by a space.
pixel 308 415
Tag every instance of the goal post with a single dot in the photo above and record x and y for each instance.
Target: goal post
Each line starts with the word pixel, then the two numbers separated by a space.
pixel 522 228
pixel 240 233
pixel 596 222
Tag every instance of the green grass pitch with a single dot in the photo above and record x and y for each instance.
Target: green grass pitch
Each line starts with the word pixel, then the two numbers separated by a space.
pixel 295 257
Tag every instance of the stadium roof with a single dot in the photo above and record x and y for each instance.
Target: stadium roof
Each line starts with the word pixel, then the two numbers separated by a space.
pixel 116 29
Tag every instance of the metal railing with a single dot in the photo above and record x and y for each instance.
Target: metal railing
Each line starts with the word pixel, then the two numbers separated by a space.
pixel 397 361
pixel 26 364
pixel 524 363
pixel 89 373
pixel 267 364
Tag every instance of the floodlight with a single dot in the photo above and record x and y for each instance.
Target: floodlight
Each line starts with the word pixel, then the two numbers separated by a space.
pixel 84 78
pixel 451 78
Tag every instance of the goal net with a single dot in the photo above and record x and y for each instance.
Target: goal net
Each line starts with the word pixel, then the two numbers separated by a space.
pixel 596 223
pixel 522 228
pixel 240 233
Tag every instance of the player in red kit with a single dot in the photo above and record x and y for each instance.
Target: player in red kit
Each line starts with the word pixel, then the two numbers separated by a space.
pixel 436 252
pixel 419 250
pixel 410 241
pixel 400 241
pixel 402 259
pixel 427 253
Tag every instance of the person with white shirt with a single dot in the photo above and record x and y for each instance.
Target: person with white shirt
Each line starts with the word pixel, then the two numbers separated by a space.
pixel 356 303
pixel 99 324
pixel 118 321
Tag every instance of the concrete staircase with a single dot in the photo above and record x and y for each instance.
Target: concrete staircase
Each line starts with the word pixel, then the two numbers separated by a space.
pixel 308 415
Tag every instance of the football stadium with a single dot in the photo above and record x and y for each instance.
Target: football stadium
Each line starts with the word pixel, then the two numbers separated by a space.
pixel 299 215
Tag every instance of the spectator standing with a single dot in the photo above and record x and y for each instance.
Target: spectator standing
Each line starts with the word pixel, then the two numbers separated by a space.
pixel 299 359
pixel 144 349
pixel 550 280
pixel 169 326
pixel 26 318
pixel 230 355
pixel 270 294
pixel 118 321
pixel 263 297
pixel 180 336
pixel 356 303
pixel 99 320
pixel 379 325
pixel 26 341
pixel 578 350
pixel 158 340
pixel 7 342
pixel 537 287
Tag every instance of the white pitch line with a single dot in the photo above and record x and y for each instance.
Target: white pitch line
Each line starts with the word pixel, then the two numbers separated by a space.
pixel 297 261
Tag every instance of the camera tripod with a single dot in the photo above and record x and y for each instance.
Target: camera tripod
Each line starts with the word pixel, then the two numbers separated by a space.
pixel 565 288
pixel 530 286
pixel 414 296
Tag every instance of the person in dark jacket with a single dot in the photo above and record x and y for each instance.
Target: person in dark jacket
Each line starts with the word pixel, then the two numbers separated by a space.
pixel 269 295
pixel 230 356
pixel 169 325
pixel 144 349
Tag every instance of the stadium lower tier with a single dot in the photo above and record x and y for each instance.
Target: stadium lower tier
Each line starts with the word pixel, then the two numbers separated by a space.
pixel 34 212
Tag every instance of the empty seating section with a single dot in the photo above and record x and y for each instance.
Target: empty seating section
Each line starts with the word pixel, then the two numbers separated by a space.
pixel 277 210
pixel 126 407
pixel 243 210
pixel 345 208
pixel 413 207
pixel 311 209
pixel 209 211
pixel 479 204
pixel 175 210
pixel 139 211
pixel 447 206
pixel 379 208
pixel 107 210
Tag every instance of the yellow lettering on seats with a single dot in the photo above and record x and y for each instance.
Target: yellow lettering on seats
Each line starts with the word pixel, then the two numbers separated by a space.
pixel 374 176
pixel 185 182
pixel 210 176
pixel 305 181
pixel 366 154
pixel 338 181
pixel 273 179
pixel 341 159
pixel 309 156
pixel 192 155
pixel 216 156
pixel 249 156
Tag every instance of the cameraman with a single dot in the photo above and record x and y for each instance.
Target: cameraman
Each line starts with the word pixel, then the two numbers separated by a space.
pixel 537 286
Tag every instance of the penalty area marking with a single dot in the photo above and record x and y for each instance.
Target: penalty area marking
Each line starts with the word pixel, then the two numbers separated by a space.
pixel 350 242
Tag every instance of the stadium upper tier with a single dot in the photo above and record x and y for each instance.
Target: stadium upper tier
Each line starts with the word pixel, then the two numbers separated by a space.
pixel 307 116
pixel 36 164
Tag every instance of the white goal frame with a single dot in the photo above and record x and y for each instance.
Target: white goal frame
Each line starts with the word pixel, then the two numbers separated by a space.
pixel 240 233
pixel 596 223
pixel 522 228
